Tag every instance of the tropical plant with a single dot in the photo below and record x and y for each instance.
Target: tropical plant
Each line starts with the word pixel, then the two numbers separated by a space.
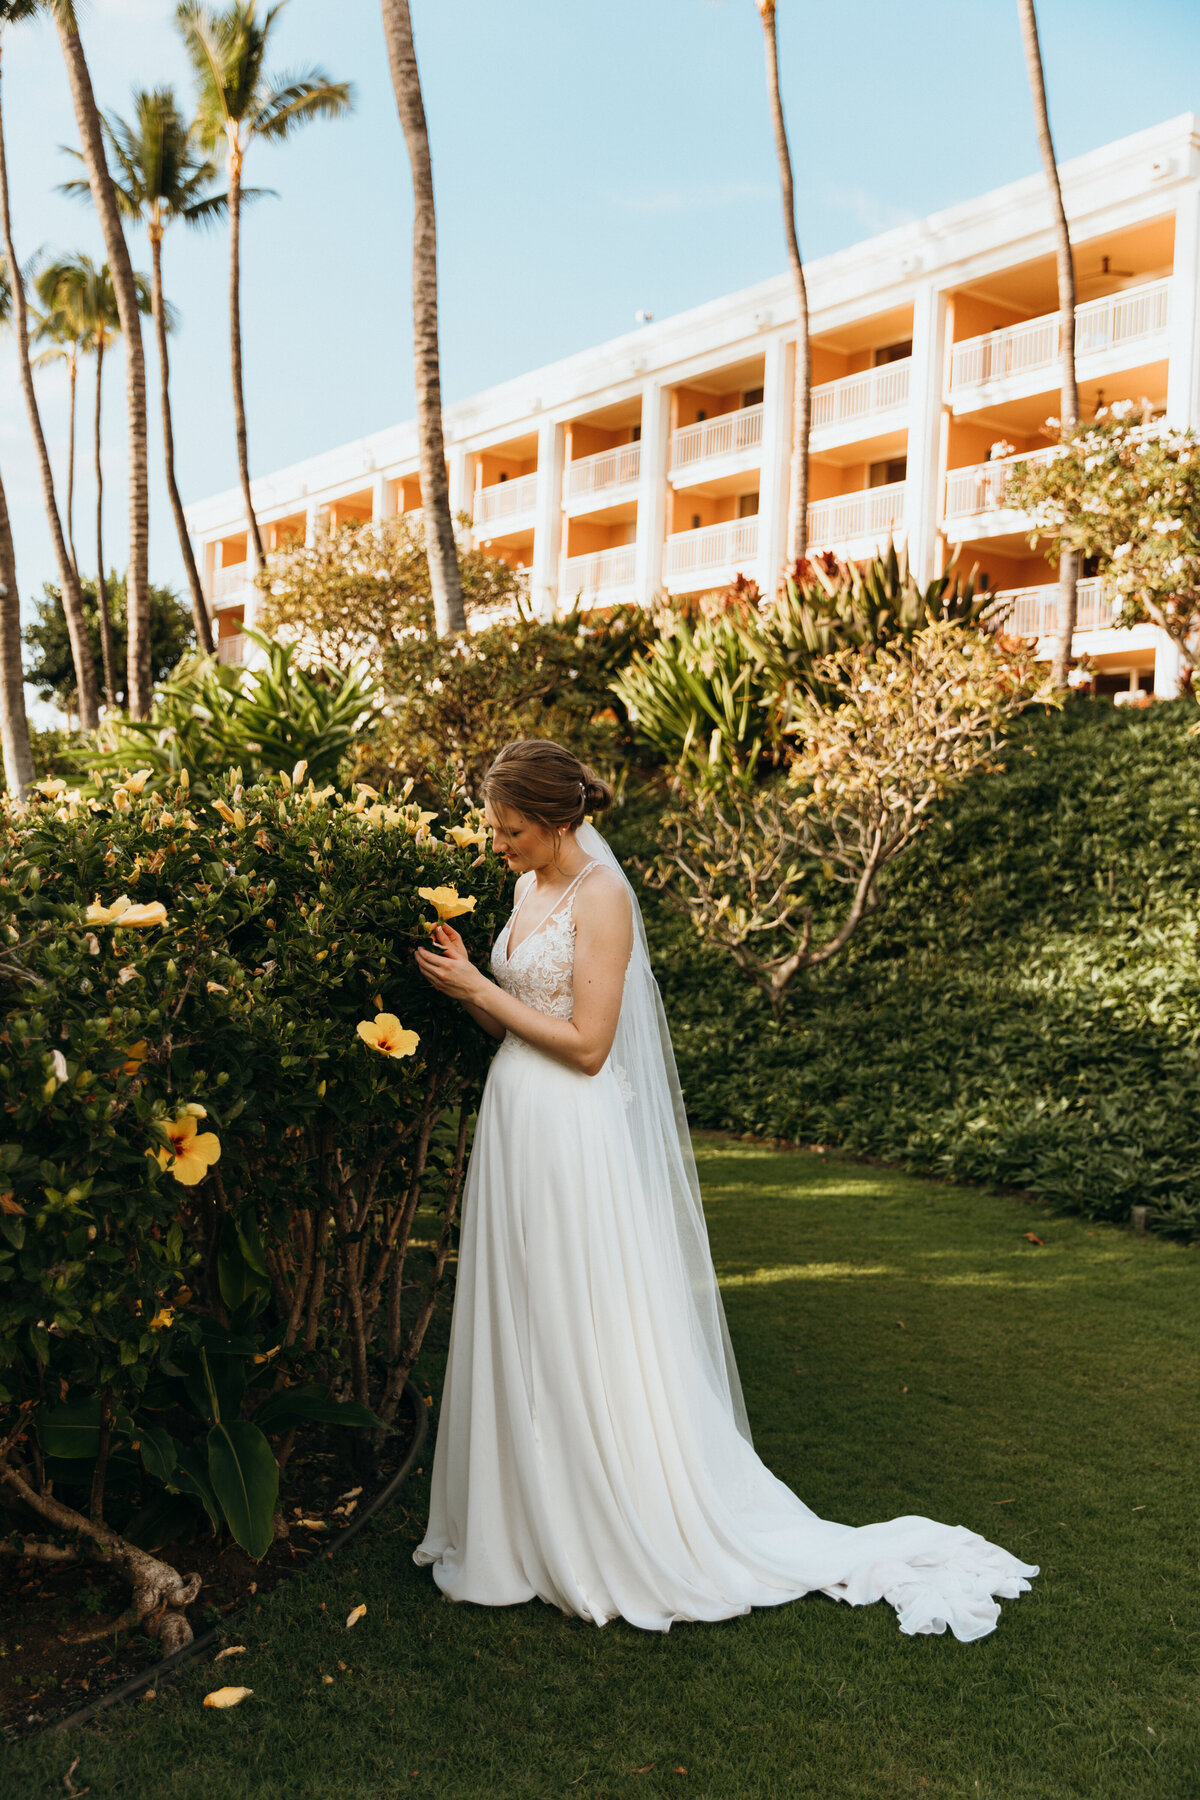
pixel 13 12
pixel 692 694
pixel 51 670
pixel 797 522
pixel 1068 567
pixel 236 103
pixel 59 333
pixel 161 177
pixel 448 604
pixel 129 308
pixel 14 725
pixel 1126 492
pixel 210 717
pixel 81 294
pixel 218 1135
pixel 783 876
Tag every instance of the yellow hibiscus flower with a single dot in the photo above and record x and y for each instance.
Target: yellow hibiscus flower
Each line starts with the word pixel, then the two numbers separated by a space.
pixel 98 914
pixel 136 782
pixel 191 1154
pixel 52 787
pixel 142 918
pixel 448 902
pixel 386 1034
pixel 464 835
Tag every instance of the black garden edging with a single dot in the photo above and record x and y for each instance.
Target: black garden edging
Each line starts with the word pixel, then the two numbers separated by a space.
pixel 170 1665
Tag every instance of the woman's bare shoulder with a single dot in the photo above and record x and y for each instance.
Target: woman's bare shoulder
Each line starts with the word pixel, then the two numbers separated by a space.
pixel 603 899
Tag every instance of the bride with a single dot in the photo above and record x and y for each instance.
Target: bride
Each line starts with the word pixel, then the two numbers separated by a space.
pixel 593 1449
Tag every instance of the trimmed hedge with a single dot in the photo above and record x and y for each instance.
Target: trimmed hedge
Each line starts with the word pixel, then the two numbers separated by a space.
pixel 1025 1010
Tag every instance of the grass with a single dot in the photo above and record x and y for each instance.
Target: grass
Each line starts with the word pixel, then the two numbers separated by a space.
pixel 904 1348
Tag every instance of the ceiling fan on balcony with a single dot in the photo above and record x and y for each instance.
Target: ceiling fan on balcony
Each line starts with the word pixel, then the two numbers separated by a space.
pixel 1104 274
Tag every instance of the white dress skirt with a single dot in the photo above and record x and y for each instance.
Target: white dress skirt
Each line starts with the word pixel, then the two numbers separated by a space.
pixel 582 1456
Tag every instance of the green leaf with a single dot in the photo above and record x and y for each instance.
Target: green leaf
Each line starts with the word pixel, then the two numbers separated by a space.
pixel 191 1477
pixel 71 1430
pixel 245 1480
pixel 310 1401
pixel 160 1453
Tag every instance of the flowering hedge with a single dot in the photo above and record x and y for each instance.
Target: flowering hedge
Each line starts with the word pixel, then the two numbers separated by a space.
pixel 227 1089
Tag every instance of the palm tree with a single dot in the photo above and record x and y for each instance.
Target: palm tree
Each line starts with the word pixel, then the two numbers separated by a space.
pixel 237 102
pixel 1068 566
pixel 14 725
pixel 160 178
pixel 104 197
pixel 11 13
pixel 441 553
pixel 797 523
pixel 57 331
pixel 84 293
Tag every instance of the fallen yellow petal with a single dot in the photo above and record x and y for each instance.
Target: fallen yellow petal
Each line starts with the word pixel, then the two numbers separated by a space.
pixel 227 1696
pixel 230 1650
pixel 355 1616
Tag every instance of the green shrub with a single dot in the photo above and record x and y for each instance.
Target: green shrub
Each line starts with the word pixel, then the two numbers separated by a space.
pixel 157 1331
pixel 1026 1008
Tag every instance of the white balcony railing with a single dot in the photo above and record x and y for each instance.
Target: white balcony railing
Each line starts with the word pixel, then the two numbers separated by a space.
pixel 603 574
pixel 505 500
pixel 872 513
pixel 618 468
pixel 729 434
pixel 981 487
pixel 232 649
pixel 231 583
pixel 858 397
pixel 1134 316
pixel 1031 612
pixel 712 549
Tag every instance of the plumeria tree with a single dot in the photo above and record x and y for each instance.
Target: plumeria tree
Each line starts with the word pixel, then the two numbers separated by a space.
pixel 1127 492
pixel 782 875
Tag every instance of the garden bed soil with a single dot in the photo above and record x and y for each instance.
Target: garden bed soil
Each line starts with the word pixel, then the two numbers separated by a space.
pixel 46 1674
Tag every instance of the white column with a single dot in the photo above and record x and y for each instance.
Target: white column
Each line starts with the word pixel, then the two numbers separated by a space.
pixel 652 491
pixel 460 494
pixel 1168 667
pixel 547 528
pixel 779 378
pixel 382 506
pixel 923 482
pixel 312 523
pixel 1183 371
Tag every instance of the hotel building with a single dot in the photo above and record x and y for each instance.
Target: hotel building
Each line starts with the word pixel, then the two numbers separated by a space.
pixel 658 462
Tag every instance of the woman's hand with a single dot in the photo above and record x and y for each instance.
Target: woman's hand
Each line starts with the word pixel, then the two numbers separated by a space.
pixel 449 968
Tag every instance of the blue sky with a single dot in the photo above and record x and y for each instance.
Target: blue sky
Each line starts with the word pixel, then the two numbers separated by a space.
pixel 589 161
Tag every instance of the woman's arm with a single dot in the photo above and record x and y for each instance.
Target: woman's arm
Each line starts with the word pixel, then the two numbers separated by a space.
pixel 603 940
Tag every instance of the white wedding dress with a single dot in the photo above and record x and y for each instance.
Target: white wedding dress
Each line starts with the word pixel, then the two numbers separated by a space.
pixel 592 1449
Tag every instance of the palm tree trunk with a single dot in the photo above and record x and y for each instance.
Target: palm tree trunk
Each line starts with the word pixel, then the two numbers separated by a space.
pixel 200 617
pixel 81 649
pixel 235 348
pixel 106 641
pixel 104 197
pixel 797 521
pixel 72 379
pixel 1068 567
pixel 14 725
pixel 440 549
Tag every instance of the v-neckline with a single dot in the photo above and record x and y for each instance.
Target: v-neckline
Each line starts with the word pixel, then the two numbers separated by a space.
pixel 510 949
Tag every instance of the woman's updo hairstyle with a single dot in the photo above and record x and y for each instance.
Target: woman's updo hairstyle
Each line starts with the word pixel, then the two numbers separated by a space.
pixel 544 782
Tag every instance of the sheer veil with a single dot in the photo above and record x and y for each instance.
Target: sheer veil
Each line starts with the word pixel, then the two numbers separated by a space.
pixel 644 1063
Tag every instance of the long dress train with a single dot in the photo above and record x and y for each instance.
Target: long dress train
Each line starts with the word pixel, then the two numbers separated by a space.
pixel 583 1455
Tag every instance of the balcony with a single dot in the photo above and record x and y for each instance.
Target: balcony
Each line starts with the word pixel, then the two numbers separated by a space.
pixel 710 556
pixel 1031 612
pixel 232 649
pixel 594 481
pixel 232 586
pixel 977 492
pixel 860 405
pixel 1125 329
pixel 506 505
pixel 856 521
pixel 603 579
pixel 713 447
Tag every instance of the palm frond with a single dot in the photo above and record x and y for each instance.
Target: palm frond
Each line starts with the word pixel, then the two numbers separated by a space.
pixel 295 99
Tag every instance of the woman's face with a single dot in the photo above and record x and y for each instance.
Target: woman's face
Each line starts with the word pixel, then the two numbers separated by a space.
pixel 523 843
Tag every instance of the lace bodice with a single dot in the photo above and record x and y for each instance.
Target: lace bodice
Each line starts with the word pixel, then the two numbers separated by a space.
pixel 542 965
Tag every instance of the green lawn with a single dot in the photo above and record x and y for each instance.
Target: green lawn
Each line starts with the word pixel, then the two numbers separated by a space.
pixel 904 1349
